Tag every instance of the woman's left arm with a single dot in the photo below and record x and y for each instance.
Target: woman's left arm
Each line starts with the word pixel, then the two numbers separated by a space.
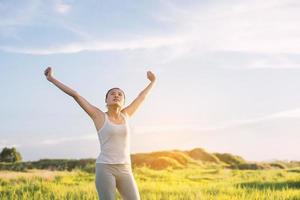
pixel 132 108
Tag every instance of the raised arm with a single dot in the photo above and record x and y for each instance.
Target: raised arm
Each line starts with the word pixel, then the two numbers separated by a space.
pixel 91 110
pixel 133 107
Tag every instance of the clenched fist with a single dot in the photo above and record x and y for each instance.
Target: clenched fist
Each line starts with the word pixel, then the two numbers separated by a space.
pixel 49 73
pixel 151 76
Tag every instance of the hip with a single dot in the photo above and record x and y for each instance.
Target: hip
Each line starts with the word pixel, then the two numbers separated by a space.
pixel 123 168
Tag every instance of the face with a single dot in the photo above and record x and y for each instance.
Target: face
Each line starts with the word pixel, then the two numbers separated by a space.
pixel 115 97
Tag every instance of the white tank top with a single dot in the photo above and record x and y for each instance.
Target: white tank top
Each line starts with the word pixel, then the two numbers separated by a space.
pixel 114 142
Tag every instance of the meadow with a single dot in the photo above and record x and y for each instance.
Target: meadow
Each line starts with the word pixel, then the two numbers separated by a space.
pixel 162 175
pixel 210 182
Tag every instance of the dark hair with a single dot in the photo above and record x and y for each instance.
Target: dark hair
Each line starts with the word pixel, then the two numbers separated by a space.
pixel 112 89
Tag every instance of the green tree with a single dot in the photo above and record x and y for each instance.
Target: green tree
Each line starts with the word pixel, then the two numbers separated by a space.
pixel 10 155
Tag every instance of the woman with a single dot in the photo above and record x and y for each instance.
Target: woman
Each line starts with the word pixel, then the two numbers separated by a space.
pixel 113 165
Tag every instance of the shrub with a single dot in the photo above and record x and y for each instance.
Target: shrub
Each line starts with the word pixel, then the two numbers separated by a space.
pixel 10 155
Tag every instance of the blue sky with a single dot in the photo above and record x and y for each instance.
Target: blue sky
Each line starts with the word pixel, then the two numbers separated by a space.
pixel 227 75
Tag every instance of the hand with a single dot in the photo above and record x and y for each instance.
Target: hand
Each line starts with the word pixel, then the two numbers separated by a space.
pixel 49 73
pixel 151 76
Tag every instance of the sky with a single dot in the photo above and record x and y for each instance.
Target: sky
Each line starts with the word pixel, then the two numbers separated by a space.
pixel 227 75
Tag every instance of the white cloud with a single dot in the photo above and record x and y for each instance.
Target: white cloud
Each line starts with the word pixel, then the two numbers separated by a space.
pixel 5 143
pixel 250 26
pixel 54 141
pixel 144 43
pixel 17 13
pixel 49 141
pixel 254 27
pixel 295 113
pixel 62 8
pixel 198 126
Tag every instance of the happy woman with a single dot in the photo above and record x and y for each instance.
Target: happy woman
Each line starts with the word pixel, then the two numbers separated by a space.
pixel 113 165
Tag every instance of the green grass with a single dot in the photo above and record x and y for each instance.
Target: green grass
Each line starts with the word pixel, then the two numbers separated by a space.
pixel 193 182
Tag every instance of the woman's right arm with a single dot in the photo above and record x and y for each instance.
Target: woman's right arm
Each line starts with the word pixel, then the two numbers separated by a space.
pixel 91 110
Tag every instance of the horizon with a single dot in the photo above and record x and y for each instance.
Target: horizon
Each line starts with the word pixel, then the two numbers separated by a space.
pixel 163 150
pixel 227 75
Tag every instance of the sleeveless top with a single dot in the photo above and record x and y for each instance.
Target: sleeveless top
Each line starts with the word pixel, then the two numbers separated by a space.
pixel 114 142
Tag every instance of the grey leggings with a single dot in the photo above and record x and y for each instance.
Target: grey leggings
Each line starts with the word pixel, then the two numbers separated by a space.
pixel 112 176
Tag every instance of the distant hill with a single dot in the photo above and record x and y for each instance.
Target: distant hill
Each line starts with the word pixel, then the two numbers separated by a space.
pixel 158 160
pixel 180 159
pixel 176 159
pixel 162 159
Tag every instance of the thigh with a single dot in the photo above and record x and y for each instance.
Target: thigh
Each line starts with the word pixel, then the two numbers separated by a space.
pixel 105 182
pixel 126 184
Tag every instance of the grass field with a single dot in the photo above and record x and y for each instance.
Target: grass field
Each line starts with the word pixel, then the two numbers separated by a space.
pixel 193 182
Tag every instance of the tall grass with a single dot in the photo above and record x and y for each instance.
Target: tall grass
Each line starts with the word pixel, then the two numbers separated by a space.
pixel 192 182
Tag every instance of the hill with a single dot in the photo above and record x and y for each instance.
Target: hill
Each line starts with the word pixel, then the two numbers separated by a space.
pixel 158 160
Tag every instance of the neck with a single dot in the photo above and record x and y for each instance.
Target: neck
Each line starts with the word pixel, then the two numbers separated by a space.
pixel 114 111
